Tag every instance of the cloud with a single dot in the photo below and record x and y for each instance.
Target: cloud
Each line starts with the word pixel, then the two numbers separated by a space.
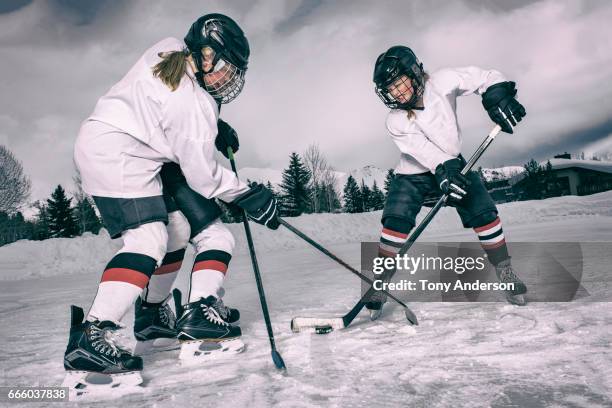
pixel 309 78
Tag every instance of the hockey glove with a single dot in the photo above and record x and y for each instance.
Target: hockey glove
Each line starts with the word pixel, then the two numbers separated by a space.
pixel 502 107
pixel 451 181
pixel 260 205
pixel 226 137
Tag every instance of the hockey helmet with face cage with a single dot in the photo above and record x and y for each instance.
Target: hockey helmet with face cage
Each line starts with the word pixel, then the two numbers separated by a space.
pixel 221 37
pixel 391 66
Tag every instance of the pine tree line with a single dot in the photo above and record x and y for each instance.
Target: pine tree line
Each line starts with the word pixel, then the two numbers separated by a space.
pixel 308 186
pixel 56 217
pixel 361 198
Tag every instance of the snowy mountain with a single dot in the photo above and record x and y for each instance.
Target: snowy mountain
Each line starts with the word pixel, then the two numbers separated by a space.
pixel 501 173
pixel 369 174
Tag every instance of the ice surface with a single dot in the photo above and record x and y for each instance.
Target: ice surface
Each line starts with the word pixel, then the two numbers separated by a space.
pixel 461 354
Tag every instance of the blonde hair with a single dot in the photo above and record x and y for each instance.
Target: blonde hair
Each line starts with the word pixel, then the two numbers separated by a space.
pixel 171 68
pixel 410 113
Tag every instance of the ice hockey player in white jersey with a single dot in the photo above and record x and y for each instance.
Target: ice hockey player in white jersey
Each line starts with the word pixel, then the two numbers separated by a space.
pixel 423 124
pixel 165 110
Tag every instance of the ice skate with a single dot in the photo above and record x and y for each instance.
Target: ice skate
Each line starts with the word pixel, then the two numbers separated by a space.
pixel 375 309
pixel 378 299
pixel 506 274
pixel 375 305
pixel 204 334
pixel 154 328
pixel 94 364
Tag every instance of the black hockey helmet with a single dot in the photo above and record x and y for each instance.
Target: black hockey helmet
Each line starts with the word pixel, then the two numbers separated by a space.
pixel 391 65
pixel 222 35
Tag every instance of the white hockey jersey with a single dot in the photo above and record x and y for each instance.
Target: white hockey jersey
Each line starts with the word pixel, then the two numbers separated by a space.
pixel 433 135
pixel 178 126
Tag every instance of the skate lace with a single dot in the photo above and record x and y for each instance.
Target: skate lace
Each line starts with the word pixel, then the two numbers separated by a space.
pixel 221 309
pixel 103 341
pixel 212 315
pixel 166 316
pixel 507 275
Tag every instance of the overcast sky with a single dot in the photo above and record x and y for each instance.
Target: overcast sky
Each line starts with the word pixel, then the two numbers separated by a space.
pixel 309 78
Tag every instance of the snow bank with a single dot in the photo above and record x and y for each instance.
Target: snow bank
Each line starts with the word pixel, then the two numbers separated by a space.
pixel 89 253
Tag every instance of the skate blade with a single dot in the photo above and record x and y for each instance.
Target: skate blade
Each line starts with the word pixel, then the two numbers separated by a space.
pixel 375 314
pixel 205 350
pixel 147 347
pixel 518 300
pixel 91 385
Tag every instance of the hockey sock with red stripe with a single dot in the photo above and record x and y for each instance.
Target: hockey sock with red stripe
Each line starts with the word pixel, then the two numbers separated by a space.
pixel 391 242
pixel 123 280
pixel 208 273
pixel 491 237
pixel 163 278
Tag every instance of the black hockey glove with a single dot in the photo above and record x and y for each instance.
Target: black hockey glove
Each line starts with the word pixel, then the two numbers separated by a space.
pixel 260 205
pixel 502 107
pixel 451 181
pixel 226 137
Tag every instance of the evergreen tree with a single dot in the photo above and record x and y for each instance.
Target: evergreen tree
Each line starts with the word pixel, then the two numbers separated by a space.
pixel 86 217
pixel 534 180
pixel 388 180
pixel 377 198
pixel 14 227
pixel 352 196
pixel 41 223
pixel 270 187
pixel 365 196
pixel 62 222
pixel 295 192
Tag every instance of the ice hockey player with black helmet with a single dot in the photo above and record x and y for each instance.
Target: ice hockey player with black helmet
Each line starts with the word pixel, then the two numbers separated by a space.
pixel 151 136
pixel 423 124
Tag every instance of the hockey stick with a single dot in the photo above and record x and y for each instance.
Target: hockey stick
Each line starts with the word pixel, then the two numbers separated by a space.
pixel 276 357
pixel 300 323
pixel 348 318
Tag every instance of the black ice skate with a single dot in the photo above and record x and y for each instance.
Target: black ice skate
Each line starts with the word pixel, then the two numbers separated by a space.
pixel 154 327
pixel 94 363
pixel 204 334
pixel 506 274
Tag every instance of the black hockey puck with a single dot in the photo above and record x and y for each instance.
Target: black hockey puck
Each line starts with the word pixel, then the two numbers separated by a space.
pixel 323 329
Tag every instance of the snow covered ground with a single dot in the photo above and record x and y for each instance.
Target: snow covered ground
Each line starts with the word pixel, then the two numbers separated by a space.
pixel 461 354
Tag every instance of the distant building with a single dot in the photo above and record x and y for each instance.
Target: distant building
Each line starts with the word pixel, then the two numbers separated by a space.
pixel 572 177
pixel 501 191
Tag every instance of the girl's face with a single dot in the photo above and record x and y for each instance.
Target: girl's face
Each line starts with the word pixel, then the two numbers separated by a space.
pixel 208 55
pixel 214 76
pixel 401 89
